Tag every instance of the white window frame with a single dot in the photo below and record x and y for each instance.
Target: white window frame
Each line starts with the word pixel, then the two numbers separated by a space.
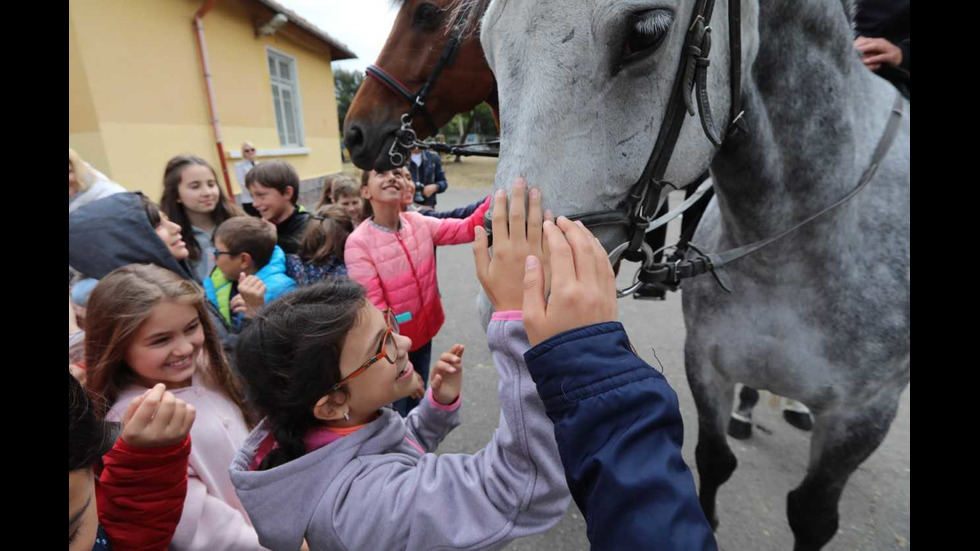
pixel 277 82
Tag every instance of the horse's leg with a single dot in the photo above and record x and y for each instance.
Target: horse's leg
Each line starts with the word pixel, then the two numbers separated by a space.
pixel 713 398
pixel 740 425
pixel 797 414
pixel 842 440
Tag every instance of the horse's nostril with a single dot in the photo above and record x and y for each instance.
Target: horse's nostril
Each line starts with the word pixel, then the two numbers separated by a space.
pixel 353 138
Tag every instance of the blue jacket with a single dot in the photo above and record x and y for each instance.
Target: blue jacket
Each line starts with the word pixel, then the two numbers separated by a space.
pixel 220 290
pixel 619 433
pixel 430 172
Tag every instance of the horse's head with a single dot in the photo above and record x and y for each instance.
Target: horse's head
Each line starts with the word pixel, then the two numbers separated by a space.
pixel 417 40
pixel 583 88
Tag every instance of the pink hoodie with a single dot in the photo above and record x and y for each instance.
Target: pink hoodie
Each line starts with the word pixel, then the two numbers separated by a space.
pixel 398 269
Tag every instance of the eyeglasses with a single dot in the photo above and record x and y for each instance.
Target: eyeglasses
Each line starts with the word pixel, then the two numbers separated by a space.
pixel 387 350
pixel 218 252
pixel 248 151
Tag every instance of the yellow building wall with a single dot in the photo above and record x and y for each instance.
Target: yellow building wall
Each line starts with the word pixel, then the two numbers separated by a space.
pixel 243 92
pixel 148 96
pixel 84 134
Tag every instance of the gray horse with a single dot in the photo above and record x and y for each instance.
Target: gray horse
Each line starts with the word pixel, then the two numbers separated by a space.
pixel 822 316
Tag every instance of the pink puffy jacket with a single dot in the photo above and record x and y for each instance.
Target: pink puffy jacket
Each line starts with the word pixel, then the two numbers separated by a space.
pixel 398 269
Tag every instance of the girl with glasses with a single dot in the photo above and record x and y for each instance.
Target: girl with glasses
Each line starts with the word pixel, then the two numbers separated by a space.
pixel 330 466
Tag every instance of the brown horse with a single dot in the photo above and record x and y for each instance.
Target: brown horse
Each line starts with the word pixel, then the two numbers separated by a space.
pixel 410 55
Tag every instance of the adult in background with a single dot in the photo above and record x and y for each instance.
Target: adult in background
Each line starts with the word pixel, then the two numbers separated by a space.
pixel 241 169
pixel 426 170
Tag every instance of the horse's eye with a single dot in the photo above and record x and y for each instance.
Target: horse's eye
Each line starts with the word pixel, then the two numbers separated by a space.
pixel 427 16
pixel 645 32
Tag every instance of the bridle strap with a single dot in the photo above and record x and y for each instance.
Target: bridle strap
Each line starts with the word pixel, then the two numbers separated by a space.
pixel 672 272
pixel 390 82
pixel 417 99
pixel 643 201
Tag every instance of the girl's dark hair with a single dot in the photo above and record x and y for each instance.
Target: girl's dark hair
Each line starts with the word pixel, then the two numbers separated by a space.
pixel 170 201
pixel 326 236
pixel 289 357
pixel 89 437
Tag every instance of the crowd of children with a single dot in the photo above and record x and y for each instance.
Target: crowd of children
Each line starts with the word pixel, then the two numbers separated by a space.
pixel 249 362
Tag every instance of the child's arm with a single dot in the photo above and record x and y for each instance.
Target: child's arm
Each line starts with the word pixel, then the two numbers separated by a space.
pixel 141 494
pixel 513 487
pixel 461 212
pixel 616 419
pixel 361 268
pixel 451 231
pixel 438 413
pixel 143 483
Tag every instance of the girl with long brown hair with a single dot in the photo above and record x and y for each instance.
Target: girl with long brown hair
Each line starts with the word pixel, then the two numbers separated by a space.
pixel 147 325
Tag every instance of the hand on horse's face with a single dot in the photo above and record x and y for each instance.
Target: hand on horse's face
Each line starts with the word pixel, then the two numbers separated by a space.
pixel 583 286
pixel 515 236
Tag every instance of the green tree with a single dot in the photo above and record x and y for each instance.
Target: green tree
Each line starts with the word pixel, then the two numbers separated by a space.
pixel 479 120
pixel 345 86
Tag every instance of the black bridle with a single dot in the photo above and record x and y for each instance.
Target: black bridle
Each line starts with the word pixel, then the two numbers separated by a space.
pixel 639 209
pixel 645 196
pixel 405 137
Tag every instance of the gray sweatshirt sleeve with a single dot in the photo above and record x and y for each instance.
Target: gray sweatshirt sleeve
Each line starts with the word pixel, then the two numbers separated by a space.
pixel 513 487
pixel 429 423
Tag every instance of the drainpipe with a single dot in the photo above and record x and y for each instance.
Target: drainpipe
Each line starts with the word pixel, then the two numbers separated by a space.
pixel 209 85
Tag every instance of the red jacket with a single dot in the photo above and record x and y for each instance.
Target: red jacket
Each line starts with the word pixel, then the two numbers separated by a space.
pixel 140 494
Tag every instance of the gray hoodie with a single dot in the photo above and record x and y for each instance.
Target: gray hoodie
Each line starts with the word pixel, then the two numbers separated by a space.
pixel 374 489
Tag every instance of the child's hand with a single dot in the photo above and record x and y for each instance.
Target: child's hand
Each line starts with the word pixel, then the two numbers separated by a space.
pixel 419 391
pixel 252 291
pixel 447 375
pixel 157 419
pixel 501 274
pixel 583 289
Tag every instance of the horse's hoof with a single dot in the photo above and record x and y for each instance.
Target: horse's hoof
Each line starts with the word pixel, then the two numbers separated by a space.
pixel 799 419
pixel 739 429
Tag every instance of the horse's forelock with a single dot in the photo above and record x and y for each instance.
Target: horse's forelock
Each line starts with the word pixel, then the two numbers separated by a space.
pixel 471 11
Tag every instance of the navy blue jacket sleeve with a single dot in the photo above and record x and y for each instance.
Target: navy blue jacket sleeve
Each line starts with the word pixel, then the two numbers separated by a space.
pixel 440 176
pixel 619 433
pixel 461 212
